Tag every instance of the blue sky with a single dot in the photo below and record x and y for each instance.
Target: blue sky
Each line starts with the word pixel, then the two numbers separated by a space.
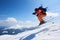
pixel 23 9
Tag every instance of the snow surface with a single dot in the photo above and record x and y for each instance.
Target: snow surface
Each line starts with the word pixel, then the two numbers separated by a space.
pixel 46 31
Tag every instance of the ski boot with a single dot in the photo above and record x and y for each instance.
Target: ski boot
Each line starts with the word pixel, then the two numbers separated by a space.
pixel 42 22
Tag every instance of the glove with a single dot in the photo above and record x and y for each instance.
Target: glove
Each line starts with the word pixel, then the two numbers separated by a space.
pixel 34 13
pixel 37 15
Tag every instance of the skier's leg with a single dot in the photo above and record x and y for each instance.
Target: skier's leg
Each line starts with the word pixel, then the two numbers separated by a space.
pixel 40 18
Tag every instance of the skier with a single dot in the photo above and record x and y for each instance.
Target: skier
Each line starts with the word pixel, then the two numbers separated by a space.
pixel 40 13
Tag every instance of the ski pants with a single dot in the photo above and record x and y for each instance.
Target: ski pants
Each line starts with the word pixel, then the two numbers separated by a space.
pixel 40 17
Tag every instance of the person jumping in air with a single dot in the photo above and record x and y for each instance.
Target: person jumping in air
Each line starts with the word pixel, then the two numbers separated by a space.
pixel 40 13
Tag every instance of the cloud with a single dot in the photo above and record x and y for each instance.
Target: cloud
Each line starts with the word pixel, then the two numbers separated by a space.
pixel 13 23
pixel 11 20
pixel 24 24
pixel 52 14
pixel 8 22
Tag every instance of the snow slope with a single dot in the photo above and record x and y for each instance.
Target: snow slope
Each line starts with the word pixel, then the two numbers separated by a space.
pixel 46 31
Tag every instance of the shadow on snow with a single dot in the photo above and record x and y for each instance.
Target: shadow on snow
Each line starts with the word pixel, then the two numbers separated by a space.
pixel 4 31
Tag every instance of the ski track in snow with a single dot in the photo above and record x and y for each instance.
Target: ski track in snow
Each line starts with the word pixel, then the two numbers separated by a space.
pixel 46 31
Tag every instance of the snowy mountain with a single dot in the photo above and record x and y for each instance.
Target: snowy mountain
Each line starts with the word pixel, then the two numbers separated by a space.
pixel 47 31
